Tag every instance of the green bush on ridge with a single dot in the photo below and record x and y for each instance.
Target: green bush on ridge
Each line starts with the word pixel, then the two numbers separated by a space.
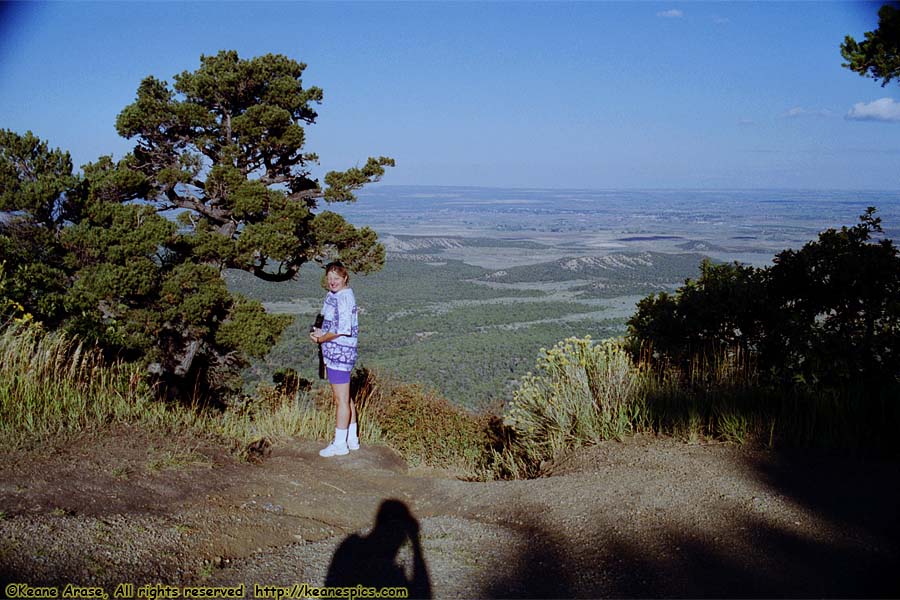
pixel 580 393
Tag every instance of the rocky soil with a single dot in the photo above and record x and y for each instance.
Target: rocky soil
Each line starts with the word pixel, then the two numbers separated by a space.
pixel 647 517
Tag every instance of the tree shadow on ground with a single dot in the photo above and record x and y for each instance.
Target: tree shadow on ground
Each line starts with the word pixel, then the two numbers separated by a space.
pixel 762 562
pixel 859 492
pixel 753 557
pixel 857 496
pixel 373 560
pixel 539 569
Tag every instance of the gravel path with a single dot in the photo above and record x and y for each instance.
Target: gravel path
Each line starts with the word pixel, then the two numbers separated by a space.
pixel 644 518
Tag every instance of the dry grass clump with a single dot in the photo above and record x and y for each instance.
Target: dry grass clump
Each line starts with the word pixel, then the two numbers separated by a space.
pixel 274 415
pixel 423 427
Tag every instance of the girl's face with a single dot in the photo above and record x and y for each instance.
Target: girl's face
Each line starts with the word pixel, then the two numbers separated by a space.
pixel 335 282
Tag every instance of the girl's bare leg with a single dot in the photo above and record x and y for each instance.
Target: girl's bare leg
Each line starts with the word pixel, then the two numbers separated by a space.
pixel 346 410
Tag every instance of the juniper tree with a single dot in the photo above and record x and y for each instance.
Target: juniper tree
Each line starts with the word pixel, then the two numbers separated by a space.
pixel 226 145
pixel 839 305
pixel 38 194
pixel 131 253
pixel 878 55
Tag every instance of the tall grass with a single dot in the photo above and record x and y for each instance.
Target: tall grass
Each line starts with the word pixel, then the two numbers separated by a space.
pixel 726 398
pixel 278 416
pixel 583 392
pixel 52 384
pixel 711 398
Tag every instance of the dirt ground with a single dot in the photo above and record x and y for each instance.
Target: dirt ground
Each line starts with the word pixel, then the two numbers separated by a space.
pixel 647 517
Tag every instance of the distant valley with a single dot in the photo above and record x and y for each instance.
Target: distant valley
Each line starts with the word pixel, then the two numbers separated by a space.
pixel 477 281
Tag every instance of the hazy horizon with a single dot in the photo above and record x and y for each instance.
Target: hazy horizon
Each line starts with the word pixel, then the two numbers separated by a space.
pixel 549 95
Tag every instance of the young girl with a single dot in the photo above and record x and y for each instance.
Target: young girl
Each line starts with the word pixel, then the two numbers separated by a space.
pixel 338 337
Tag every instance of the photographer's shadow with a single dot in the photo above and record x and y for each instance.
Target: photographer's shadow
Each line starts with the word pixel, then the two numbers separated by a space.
pixel 372 560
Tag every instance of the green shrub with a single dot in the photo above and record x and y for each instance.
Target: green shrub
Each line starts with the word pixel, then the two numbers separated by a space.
pixel 581 392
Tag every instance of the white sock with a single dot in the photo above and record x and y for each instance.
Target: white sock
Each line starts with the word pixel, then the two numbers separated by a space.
pixel 351 433
pixel 340 436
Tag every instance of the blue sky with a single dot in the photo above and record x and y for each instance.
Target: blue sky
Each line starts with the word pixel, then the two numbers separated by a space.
pixel 602 95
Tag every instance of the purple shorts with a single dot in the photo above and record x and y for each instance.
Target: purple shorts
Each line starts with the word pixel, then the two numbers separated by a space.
pixel 335 376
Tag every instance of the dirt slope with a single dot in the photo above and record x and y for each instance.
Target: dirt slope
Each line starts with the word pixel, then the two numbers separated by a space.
pixel 643 518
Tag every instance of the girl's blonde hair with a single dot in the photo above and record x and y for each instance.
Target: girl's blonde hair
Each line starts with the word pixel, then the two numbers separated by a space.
pixel 339 268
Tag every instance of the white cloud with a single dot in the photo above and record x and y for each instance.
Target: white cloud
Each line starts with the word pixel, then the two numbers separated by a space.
pixel 673 13
pixel 885 109
pixel 799 111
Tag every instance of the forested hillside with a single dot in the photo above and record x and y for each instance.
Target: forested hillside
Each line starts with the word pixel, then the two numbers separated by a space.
pixel 466 331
